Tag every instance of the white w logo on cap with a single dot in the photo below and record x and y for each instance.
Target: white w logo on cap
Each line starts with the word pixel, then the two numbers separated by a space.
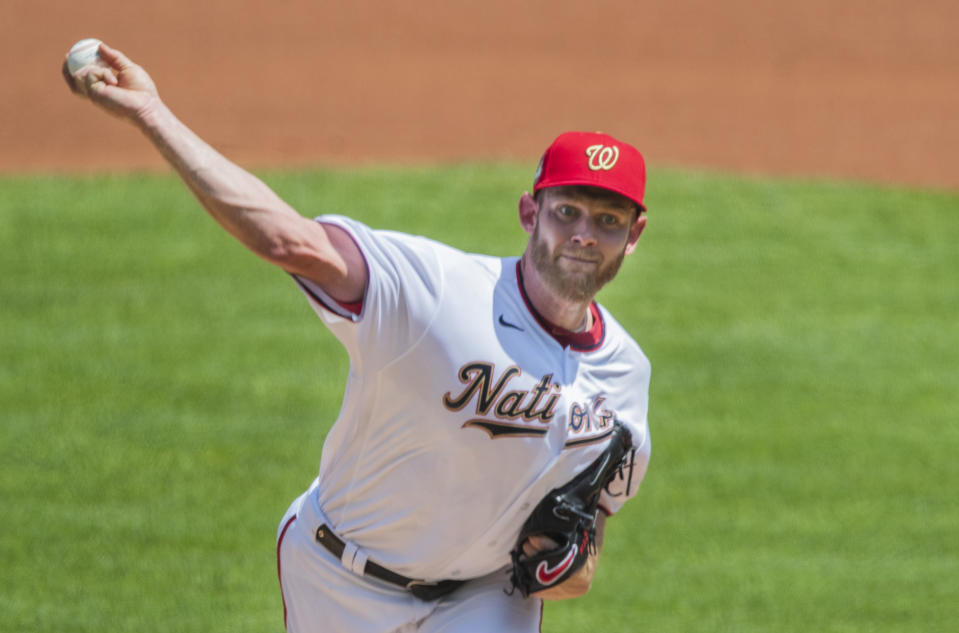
pixel 602 156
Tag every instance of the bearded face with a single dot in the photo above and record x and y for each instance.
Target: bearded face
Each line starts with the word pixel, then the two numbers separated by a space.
pixel 573 273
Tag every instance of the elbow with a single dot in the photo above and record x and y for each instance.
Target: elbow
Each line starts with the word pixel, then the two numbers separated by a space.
pixel 291 256
pixel 306 251
pixel 300 258
pixel 278 251
pixel 286 241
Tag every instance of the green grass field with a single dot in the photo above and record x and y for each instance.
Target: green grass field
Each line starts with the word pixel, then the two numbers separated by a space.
pixel 164 395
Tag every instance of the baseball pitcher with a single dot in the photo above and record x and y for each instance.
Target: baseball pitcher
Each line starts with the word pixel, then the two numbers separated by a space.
pixel 494 414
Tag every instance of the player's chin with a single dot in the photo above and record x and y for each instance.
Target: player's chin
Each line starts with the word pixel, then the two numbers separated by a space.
pixel 579 274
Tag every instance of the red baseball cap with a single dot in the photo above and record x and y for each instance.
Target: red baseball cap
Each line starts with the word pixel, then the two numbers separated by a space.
pixel 593 159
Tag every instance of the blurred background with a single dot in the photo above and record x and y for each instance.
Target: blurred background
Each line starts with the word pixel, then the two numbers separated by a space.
pixel 859 89
pixel 164 394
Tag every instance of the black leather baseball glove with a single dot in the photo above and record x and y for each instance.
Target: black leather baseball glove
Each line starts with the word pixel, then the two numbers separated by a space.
pixel 567 515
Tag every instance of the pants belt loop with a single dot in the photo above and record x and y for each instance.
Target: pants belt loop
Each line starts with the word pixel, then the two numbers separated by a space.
pixel 354 558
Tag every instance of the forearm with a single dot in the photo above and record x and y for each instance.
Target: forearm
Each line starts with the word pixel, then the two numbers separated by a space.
pixel 239 201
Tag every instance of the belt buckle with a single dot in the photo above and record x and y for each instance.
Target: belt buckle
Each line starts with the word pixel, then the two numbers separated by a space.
pixel 432 590
pixel 423 590
pixel 419 583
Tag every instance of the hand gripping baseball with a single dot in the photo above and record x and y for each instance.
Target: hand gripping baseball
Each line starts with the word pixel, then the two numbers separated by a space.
pixel 120 87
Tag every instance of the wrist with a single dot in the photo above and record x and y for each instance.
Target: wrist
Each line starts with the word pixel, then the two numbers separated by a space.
pixel 151 114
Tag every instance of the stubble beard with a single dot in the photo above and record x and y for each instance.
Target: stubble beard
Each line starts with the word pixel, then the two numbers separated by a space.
pixel 573 286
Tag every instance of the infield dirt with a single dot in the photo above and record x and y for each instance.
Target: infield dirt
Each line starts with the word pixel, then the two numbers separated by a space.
pixel 862 89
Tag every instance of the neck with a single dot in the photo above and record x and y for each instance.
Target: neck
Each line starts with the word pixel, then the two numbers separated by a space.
pixel 566 313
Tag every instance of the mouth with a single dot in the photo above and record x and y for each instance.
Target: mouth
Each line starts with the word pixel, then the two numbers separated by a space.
pixel 581 258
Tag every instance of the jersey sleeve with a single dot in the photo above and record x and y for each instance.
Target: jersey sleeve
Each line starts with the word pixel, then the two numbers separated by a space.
pixel 401 298
pixel 626 481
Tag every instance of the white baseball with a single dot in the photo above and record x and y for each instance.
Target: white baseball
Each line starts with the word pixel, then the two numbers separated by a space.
pixel 82 54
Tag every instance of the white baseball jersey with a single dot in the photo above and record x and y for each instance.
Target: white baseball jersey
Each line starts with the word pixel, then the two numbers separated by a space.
pixel 461 409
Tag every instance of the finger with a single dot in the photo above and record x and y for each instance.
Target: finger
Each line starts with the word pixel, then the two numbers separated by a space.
pixel 543 542
pixel 538 543
pixel 92 79
pixel 115 58
pixel 97 74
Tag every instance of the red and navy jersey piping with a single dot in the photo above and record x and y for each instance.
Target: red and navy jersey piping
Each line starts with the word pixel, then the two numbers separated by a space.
pixel 352 307
pixel 587 341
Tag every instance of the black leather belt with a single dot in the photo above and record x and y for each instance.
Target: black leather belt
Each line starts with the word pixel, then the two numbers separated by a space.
pixel 419 588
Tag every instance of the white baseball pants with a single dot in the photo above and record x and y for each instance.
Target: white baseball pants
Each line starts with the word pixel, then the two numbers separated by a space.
pixel 321 596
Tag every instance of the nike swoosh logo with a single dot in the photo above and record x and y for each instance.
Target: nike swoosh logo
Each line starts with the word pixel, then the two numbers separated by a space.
pixel 547 576
pixel 506 323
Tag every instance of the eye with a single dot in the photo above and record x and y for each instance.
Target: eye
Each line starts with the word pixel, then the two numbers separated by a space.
pixel 608 220
pixel 567 212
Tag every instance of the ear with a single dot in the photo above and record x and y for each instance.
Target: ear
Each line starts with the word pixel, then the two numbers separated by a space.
pixel 634 232
pixel 527 212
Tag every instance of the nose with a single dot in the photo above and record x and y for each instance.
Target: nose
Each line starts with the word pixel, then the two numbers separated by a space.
pixel 583 234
